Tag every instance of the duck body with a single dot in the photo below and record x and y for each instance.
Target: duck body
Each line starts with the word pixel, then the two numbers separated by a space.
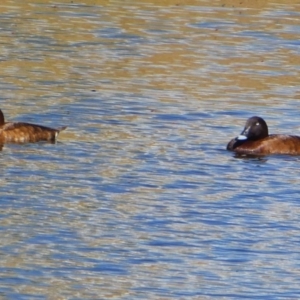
pixel 19 132
pixel 255 140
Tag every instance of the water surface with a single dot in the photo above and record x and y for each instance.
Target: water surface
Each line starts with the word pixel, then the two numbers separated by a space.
pixel 139 198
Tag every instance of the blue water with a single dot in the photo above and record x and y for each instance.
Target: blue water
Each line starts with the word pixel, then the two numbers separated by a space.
pixel 139 199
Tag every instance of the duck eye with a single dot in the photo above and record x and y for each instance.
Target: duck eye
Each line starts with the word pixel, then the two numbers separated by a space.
pixel 257 124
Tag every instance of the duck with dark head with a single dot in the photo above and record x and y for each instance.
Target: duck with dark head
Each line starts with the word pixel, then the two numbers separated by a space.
pixel 255 140
pixel 18 132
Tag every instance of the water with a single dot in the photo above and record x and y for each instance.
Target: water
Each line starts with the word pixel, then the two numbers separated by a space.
pixel 139 198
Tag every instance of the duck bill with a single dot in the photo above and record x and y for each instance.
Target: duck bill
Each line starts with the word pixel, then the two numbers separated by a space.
pixel 244 135
pixel 241 138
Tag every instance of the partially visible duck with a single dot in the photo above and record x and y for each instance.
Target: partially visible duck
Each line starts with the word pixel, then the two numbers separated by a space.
pixel 18 132
pixel 255 139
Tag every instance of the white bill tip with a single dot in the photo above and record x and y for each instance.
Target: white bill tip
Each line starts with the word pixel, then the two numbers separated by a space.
pixel 241 137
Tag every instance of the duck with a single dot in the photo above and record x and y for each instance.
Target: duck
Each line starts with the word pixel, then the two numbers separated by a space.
pixel 256 140
pixel 19 132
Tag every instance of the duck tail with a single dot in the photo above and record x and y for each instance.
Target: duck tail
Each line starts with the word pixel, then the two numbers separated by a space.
pixel 59 129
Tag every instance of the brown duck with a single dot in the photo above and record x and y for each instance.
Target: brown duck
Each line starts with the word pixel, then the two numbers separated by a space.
pixel 18 132
pixel 256 140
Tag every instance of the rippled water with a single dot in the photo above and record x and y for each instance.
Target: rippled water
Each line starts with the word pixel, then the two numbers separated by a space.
pixel 139 198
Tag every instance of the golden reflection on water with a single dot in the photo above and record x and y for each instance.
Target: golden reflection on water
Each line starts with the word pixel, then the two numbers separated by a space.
pixel 182 58
pixel 76 57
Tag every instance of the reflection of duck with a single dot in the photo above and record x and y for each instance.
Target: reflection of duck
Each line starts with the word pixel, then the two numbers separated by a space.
pixel 255 139
pixel 11 132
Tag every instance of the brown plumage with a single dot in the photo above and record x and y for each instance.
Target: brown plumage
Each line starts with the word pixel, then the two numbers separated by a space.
pixel 11 132
pixel 255 140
